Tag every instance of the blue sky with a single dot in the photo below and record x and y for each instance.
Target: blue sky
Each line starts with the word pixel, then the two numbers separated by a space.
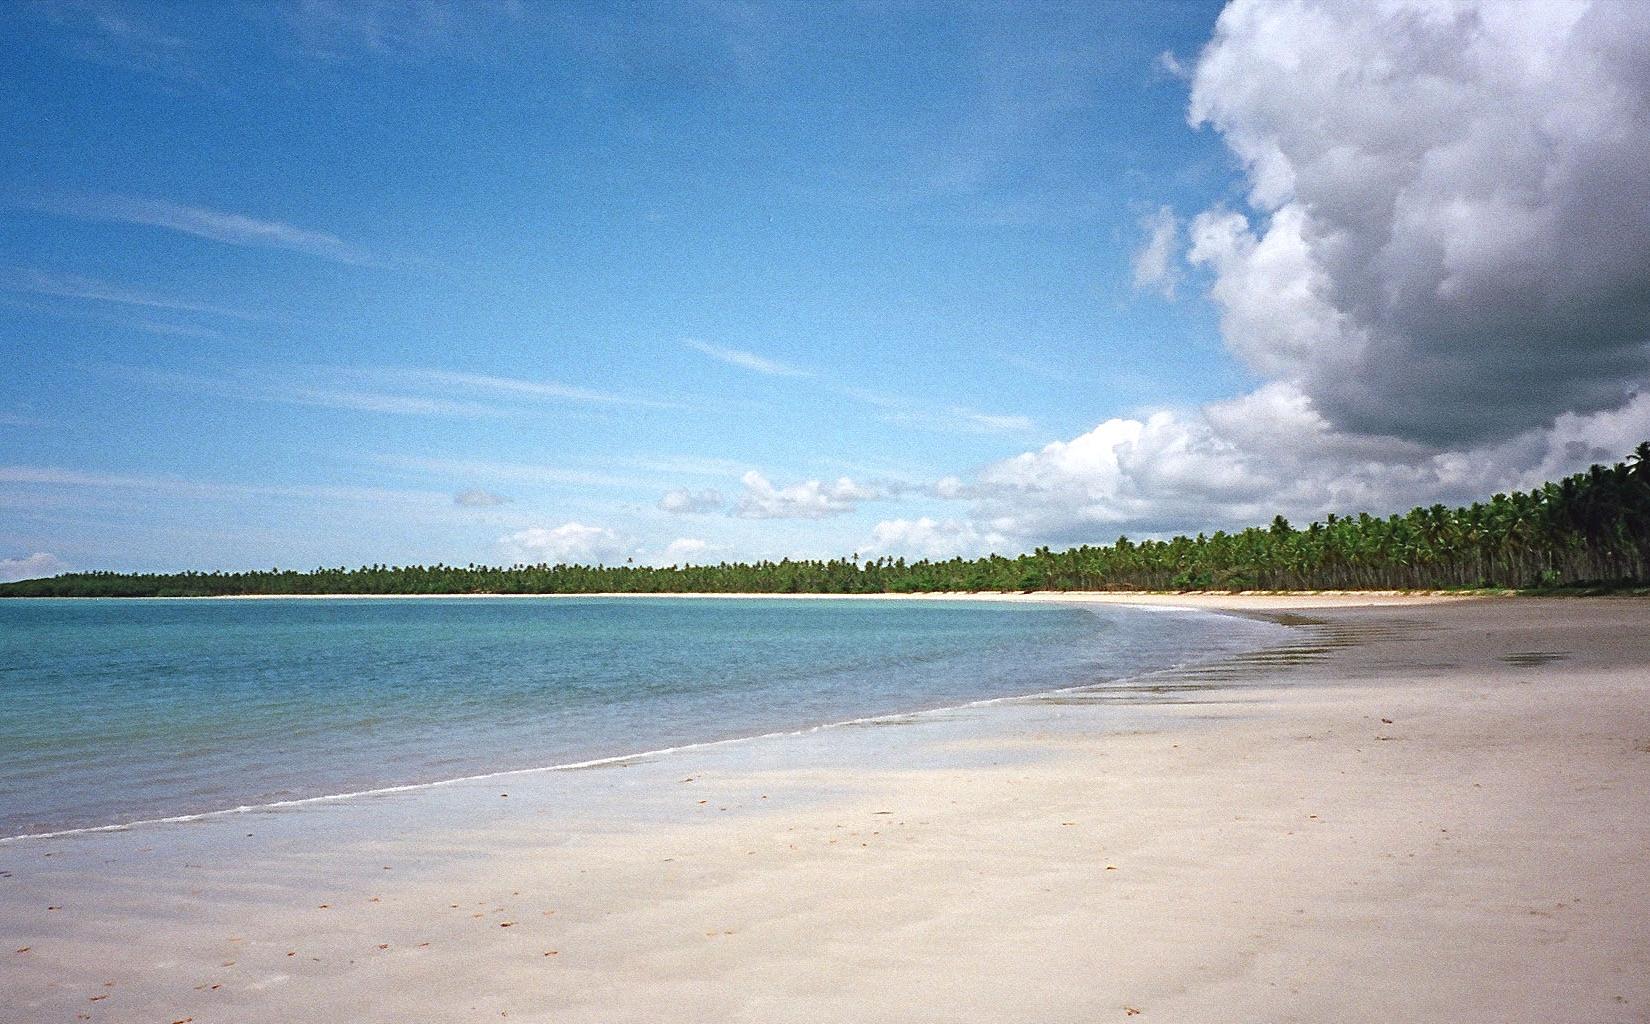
pixel 320 283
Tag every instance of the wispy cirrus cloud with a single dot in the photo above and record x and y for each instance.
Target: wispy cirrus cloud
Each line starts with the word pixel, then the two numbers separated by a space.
pixel 308 388
pixel 174 43
pixel 31 281
pixel 57 476
pixel 88 503
pixel 93 480
pixel 215 225
pixel 119 317
pixel 513 387
pixel 391 390
pixel 171 330
pixel 987 422
pixel 952 419
pixel 746 360
pixel 681 465
pixel 513 472
pixel 120 35
pixel 386 30
pixel 14 419
pixel 896 409
pixel 478 498
pixel 377 401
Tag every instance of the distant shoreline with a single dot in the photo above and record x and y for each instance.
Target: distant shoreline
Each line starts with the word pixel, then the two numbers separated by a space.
pixel 1241 600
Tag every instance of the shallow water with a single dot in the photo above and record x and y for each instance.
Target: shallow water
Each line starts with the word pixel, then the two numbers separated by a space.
pixel 118 711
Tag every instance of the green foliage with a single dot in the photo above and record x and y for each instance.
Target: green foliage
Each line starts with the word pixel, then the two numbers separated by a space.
pixel 1590 530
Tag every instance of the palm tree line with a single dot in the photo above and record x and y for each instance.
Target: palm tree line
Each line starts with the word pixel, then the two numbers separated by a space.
pixel 1590 529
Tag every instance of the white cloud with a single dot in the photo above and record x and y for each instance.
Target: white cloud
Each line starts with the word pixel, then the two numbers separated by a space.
pixel 954 419
pixel 571 542
pixel 810 499
pixel 1240 462
pixel 1171 65
pixel 514 472
pixel 408 392
pixel 987 422
pixel 1156 262
pixel 18 282
pixel 332 31
pixel 216 225
pixel 169 330
pixel 682 501
pixel 679 465
pixel 685 551
pixel 746 360
pixel 59 477
pixel 122 37
pixel 73 286
pixel 1444 278
pixel 929 538
pixel 359 400
pixel 30 567
pixel 479 499
pixel 508 387
pixel 1451 241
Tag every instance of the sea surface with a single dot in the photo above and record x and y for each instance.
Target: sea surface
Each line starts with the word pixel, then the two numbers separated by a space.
pixel 117 711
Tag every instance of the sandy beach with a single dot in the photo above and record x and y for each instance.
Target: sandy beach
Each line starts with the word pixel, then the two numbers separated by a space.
pixel 1418 809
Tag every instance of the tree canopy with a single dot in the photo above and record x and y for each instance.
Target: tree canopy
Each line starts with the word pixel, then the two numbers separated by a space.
pixel 1592 528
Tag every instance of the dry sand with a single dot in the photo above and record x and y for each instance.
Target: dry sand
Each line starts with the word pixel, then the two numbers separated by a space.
pixel 1417 811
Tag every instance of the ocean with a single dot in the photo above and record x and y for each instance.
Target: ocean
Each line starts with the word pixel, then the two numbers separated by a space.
pixel 118 711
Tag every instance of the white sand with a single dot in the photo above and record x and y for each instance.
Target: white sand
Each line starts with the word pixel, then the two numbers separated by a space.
pixel 1271 850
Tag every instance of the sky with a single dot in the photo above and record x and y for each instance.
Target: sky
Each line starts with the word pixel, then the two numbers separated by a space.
pixel 312 283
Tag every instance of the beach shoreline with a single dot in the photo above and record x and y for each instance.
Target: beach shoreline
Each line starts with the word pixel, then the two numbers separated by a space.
pixel 1211 597
pixel 1209 639
pixel 1425 808
pixel 1214 601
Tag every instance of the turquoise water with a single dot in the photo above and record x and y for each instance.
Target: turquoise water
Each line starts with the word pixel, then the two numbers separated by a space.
pixel 118 711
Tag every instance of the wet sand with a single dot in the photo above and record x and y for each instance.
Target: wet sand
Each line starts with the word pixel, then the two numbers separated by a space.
pixel 1414 810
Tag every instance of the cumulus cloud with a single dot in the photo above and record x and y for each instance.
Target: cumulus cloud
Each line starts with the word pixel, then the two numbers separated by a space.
pixel 571 542
pixel 1449 239
pixel 1240 462
pixel 685 551
pixel 30 567
pixel 479 499
pixel 810 499
pixel 1442 275
pixel 929 538
pixel 683 502
pixel 1156 262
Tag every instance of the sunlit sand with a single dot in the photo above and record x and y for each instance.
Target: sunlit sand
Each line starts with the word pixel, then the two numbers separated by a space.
pixel 1416 810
